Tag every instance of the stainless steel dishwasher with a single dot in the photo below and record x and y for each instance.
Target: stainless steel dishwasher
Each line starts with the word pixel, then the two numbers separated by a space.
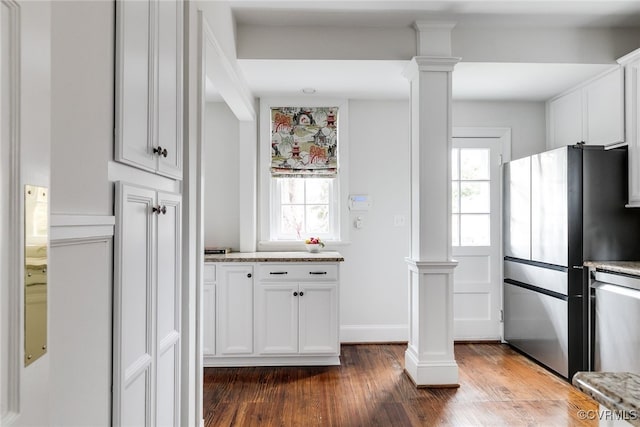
pixel 615 322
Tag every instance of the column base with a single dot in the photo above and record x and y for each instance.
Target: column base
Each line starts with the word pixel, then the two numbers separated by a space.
pixel 442 374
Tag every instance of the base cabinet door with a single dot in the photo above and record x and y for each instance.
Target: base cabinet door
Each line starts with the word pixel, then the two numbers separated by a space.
pixel 277 318
pixel 318 318
pixel 147 332
pixel 235 310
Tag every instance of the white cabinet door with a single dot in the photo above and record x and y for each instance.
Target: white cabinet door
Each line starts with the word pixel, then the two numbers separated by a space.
pixel 235 309
pixel 209 311
pixel 318 318
pixel 565 120
pixel 149 104
pixel 134 310
pixel 632 86
pixel 277 318
pixel 168 280
pixel 169 88
pixel 604 109
pixel 147 307
pixel 209 319
pixel 134 83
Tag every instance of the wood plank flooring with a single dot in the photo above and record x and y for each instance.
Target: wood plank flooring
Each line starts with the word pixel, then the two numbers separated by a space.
pixel 498 387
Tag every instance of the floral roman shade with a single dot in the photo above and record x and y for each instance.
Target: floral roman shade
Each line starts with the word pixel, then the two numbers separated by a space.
pixel 304 141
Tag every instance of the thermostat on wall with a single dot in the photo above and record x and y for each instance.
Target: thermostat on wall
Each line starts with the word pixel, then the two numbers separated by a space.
pixel 359 202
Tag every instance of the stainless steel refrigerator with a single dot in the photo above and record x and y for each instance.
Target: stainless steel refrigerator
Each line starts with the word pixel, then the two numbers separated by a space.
pixel 561 208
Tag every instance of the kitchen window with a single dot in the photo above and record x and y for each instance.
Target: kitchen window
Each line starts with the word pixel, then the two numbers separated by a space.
pixel 303 172
pixel 304 207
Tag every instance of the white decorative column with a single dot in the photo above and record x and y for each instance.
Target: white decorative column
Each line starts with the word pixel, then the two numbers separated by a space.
pixel 429 359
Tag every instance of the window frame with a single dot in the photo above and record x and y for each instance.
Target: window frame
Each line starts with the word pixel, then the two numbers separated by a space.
pixel 267 191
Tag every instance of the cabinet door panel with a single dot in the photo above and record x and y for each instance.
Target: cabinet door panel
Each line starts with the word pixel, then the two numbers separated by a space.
pixel 604 103
pixel 134 70
pixel 319 318
pixel 565 116
pixel 277 318
pixel 169 95
pixel 235 310
pixel 169 226
pixel 134 341
pixel 632 76
pixel 209 320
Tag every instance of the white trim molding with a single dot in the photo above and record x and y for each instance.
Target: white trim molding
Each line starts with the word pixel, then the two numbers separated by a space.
pixel 10 302
pixel 81 227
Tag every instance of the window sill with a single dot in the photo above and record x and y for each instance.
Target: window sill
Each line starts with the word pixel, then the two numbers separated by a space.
pixel 284 246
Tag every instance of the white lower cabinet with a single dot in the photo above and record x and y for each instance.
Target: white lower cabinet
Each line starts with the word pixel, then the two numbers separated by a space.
pixel 209 310
pixel 235 309
pixel 290 312
pixel 297 318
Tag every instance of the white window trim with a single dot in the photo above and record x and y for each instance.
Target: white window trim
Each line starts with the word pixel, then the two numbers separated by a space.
pixel 341 192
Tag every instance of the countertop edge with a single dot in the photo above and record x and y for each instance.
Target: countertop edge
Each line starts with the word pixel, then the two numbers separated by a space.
pixel 591 384
pixel 623 267
pixel 275 257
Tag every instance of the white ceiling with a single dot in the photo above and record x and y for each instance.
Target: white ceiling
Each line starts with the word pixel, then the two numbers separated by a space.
pixel 389 13
pixel 384 79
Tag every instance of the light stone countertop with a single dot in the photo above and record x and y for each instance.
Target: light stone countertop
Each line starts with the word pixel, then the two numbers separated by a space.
pixel 624 267
pixel 616 391
pixel 301 256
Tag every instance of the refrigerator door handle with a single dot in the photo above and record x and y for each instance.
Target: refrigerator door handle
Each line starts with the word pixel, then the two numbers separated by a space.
pixel 578 267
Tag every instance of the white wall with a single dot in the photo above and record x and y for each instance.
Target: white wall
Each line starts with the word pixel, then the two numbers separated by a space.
pixel 221 154
pixel 373 305
pixel 526 120
pixel 80 291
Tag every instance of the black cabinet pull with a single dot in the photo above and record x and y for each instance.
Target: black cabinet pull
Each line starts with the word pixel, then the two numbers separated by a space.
pixel 159 210
pixel 317 272
pixel 278 272
pixel 295 294
pixel 160 151
pixel 301 293
pixel 249 275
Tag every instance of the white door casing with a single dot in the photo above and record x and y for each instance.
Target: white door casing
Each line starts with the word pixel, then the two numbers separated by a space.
pixel 478 278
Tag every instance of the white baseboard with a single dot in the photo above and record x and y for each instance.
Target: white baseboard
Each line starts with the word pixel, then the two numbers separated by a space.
pixel 374 333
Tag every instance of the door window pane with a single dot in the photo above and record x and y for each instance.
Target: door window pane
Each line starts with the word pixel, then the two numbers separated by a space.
pixel 474 230
pixel 474 163
pixel 454 164
pixel 455 230
pixel 474 197
pixel 455 197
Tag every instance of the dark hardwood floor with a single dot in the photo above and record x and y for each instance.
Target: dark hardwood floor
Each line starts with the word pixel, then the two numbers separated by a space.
pixel 498 387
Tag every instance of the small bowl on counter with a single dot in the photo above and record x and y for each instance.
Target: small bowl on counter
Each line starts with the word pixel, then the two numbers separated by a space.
pixel 313 247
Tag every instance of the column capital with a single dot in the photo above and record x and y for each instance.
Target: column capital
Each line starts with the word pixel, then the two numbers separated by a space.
pixel 429 63
pixel 433 37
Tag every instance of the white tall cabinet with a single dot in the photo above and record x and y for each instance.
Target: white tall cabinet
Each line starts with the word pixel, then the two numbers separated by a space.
pixel 631 63
pixel 146 307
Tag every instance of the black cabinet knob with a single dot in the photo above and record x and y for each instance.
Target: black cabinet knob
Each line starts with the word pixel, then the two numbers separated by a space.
pixel 160 151
pixel 301 293
pixel 295 294
pixel 249 275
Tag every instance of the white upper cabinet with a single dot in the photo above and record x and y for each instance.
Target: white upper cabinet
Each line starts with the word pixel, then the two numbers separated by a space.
pixel 592 113
pixel 149 62
pixel 631 63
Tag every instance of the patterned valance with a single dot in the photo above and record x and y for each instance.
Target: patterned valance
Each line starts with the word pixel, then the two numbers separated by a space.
pixel 304 141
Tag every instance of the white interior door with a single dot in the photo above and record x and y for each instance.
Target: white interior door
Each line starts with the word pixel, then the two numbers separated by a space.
pixel 476 231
